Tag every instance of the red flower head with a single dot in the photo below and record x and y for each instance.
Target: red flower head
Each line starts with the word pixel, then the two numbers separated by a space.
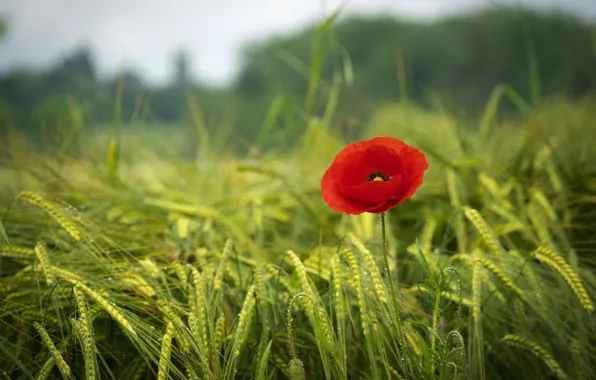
pixel 373 176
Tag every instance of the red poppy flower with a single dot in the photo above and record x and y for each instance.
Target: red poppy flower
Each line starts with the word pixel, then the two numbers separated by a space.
pixel 373 176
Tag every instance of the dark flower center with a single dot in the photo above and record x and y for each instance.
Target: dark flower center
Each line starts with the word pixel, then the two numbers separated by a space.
pixel 377 176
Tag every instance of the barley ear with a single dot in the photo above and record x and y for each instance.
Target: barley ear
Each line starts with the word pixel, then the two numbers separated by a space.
pixel 537 351
pixel 58 359
pixel 557 263
pixel 44 262
pixel 166 350
pixel 37 200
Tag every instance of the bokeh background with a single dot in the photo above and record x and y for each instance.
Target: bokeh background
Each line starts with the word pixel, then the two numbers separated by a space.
pixel 235 58
pixel 166 158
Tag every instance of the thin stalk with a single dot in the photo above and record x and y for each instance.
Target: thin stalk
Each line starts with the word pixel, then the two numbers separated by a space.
pixel 384 250
pixel 435 317
pixel 389 279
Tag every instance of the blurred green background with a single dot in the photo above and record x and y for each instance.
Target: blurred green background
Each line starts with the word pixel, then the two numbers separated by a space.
pixel 159 196
pixel 453 63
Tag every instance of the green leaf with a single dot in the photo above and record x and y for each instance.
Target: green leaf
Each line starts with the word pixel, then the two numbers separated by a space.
pixel 3 235
pixel 262 368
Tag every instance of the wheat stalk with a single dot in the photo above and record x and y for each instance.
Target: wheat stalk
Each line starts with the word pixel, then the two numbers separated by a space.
pixel 44 262
pixel 58 359
pixel 537 351
pixel 166 350
pixel 557 263
pixel 37 200
pixel 107 306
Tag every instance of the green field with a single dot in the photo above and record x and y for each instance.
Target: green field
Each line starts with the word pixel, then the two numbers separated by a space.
pixel 147 263
pixel 136 251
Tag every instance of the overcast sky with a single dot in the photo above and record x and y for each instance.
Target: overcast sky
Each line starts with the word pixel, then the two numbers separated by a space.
pixel 143 33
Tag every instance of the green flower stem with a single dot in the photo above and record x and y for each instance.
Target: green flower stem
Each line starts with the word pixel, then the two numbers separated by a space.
pixel 435 316
pixel 384 249
pixel 389 279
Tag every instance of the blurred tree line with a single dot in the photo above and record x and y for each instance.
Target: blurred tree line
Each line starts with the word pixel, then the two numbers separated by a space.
pixel 456 61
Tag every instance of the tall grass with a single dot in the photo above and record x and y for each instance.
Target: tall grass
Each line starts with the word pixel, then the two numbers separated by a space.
pixel 179 270
pixel 220 267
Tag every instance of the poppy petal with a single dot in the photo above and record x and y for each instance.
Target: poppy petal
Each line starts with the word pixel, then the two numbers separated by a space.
pixel 373 192
pixel 346 186
pixel 383 159
pixel 357 166
pixel 382 207
pixel 389 142
pixel 335 199
pixel 352 170
pixel 361 146
pixel 414 170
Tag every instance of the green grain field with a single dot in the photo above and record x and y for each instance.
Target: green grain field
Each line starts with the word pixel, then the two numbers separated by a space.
pixel 140 252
